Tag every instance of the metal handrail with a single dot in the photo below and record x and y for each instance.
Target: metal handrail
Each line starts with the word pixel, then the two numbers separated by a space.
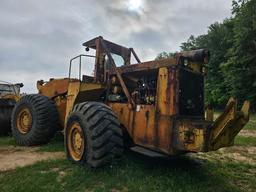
pixel 80 61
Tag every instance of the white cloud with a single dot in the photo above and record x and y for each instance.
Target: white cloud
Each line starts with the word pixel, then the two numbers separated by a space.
pixel 37 38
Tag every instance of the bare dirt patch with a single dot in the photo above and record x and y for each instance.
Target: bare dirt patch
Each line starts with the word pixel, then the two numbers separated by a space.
pixel 244 154
pixel 240 153
pixel 16 156
pixel 247 133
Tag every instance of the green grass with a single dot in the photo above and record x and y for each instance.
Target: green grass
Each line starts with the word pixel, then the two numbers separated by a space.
pixel 56 144
pixel 133 173
pixel 245 141
pixel 202 172
pixel 7 141
pixel 251 125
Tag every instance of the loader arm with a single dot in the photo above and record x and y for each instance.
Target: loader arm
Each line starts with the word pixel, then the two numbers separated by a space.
pixel 228 125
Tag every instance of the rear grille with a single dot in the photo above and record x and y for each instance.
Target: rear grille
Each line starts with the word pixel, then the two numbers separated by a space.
pixel 191 93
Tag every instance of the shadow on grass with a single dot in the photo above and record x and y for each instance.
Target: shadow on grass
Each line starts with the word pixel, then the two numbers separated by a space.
pixel 7 140
pixel 134 172
pixel 55 145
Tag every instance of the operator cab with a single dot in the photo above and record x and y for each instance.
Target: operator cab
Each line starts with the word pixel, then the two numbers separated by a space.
pixel 104 49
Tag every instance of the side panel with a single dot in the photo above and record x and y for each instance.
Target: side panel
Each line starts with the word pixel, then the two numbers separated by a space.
pixel 80 92
pixel 151 125
pixel 166 92
pixel 73 90
pixel 57 90
pixel 142 127
pixel 166 107
pixel 61 104
pixel 190 135
pixel 54 87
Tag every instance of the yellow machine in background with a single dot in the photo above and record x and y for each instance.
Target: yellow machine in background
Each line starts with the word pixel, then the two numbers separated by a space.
pixel 154 108
pixel 9 96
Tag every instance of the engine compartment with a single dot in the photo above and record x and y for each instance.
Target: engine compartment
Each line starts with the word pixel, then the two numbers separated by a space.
pixel 142 86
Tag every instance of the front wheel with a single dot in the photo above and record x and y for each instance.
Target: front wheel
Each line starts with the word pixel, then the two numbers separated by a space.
pixel 93 135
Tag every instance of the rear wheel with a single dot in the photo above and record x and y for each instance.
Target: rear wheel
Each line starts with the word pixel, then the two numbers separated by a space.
pixel 93 135
pixel 34 120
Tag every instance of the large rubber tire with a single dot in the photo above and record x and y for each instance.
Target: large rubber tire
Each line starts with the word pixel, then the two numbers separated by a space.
pixel 101 133
pixel 6 107
pixel 44 121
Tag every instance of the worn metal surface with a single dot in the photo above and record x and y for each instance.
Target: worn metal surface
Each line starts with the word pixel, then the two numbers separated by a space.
pixel 68 92
pixel 167 118
pixel 118 74
pixel 228 125
pixel 57 90
pixel 54 87
pixel 144 66
pixel 9 95
pixel 79 92
pixel 159 127
pixel 114 48
pixel 147 152
pixel 197 56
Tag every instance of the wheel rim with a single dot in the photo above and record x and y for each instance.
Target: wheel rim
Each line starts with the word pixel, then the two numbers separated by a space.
pixel 76 141
pixel 24 121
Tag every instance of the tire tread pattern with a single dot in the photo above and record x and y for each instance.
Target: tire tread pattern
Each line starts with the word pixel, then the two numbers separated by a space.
pixel 105 133
pixel 45 120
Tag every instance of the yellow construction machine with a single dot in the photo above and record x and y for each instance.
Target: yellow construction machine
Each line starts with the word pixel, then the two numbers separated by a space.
pixel 155 108
pixel 9 95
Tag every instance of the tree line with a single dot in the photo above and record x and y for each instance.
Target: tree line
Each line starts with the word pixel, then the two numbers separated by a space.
pixel 232 44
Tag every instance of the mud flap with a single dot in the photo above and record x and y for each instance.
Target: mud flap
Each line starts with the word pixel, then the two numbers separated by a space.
pixel 228 125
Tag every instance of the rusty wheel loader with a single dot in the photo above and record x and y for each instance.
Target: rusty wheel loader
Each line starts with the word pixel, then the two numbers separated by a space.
pixel 9 95
pixel 155 108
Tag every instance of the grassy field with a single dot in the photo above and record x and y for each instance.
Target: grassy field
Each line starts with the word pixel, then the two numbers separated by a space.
pixel 229 169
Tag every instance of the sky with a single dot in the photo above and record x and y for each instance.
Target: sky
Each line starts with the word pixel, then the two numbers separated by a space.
pixel 38 38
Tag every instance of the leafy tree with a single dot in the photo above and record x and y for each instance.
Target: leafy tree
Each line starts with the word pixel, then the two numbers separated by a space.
pixel 193 43
pixel 164 55
pixel 240 68
pixel 232 66
pixel 217 41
